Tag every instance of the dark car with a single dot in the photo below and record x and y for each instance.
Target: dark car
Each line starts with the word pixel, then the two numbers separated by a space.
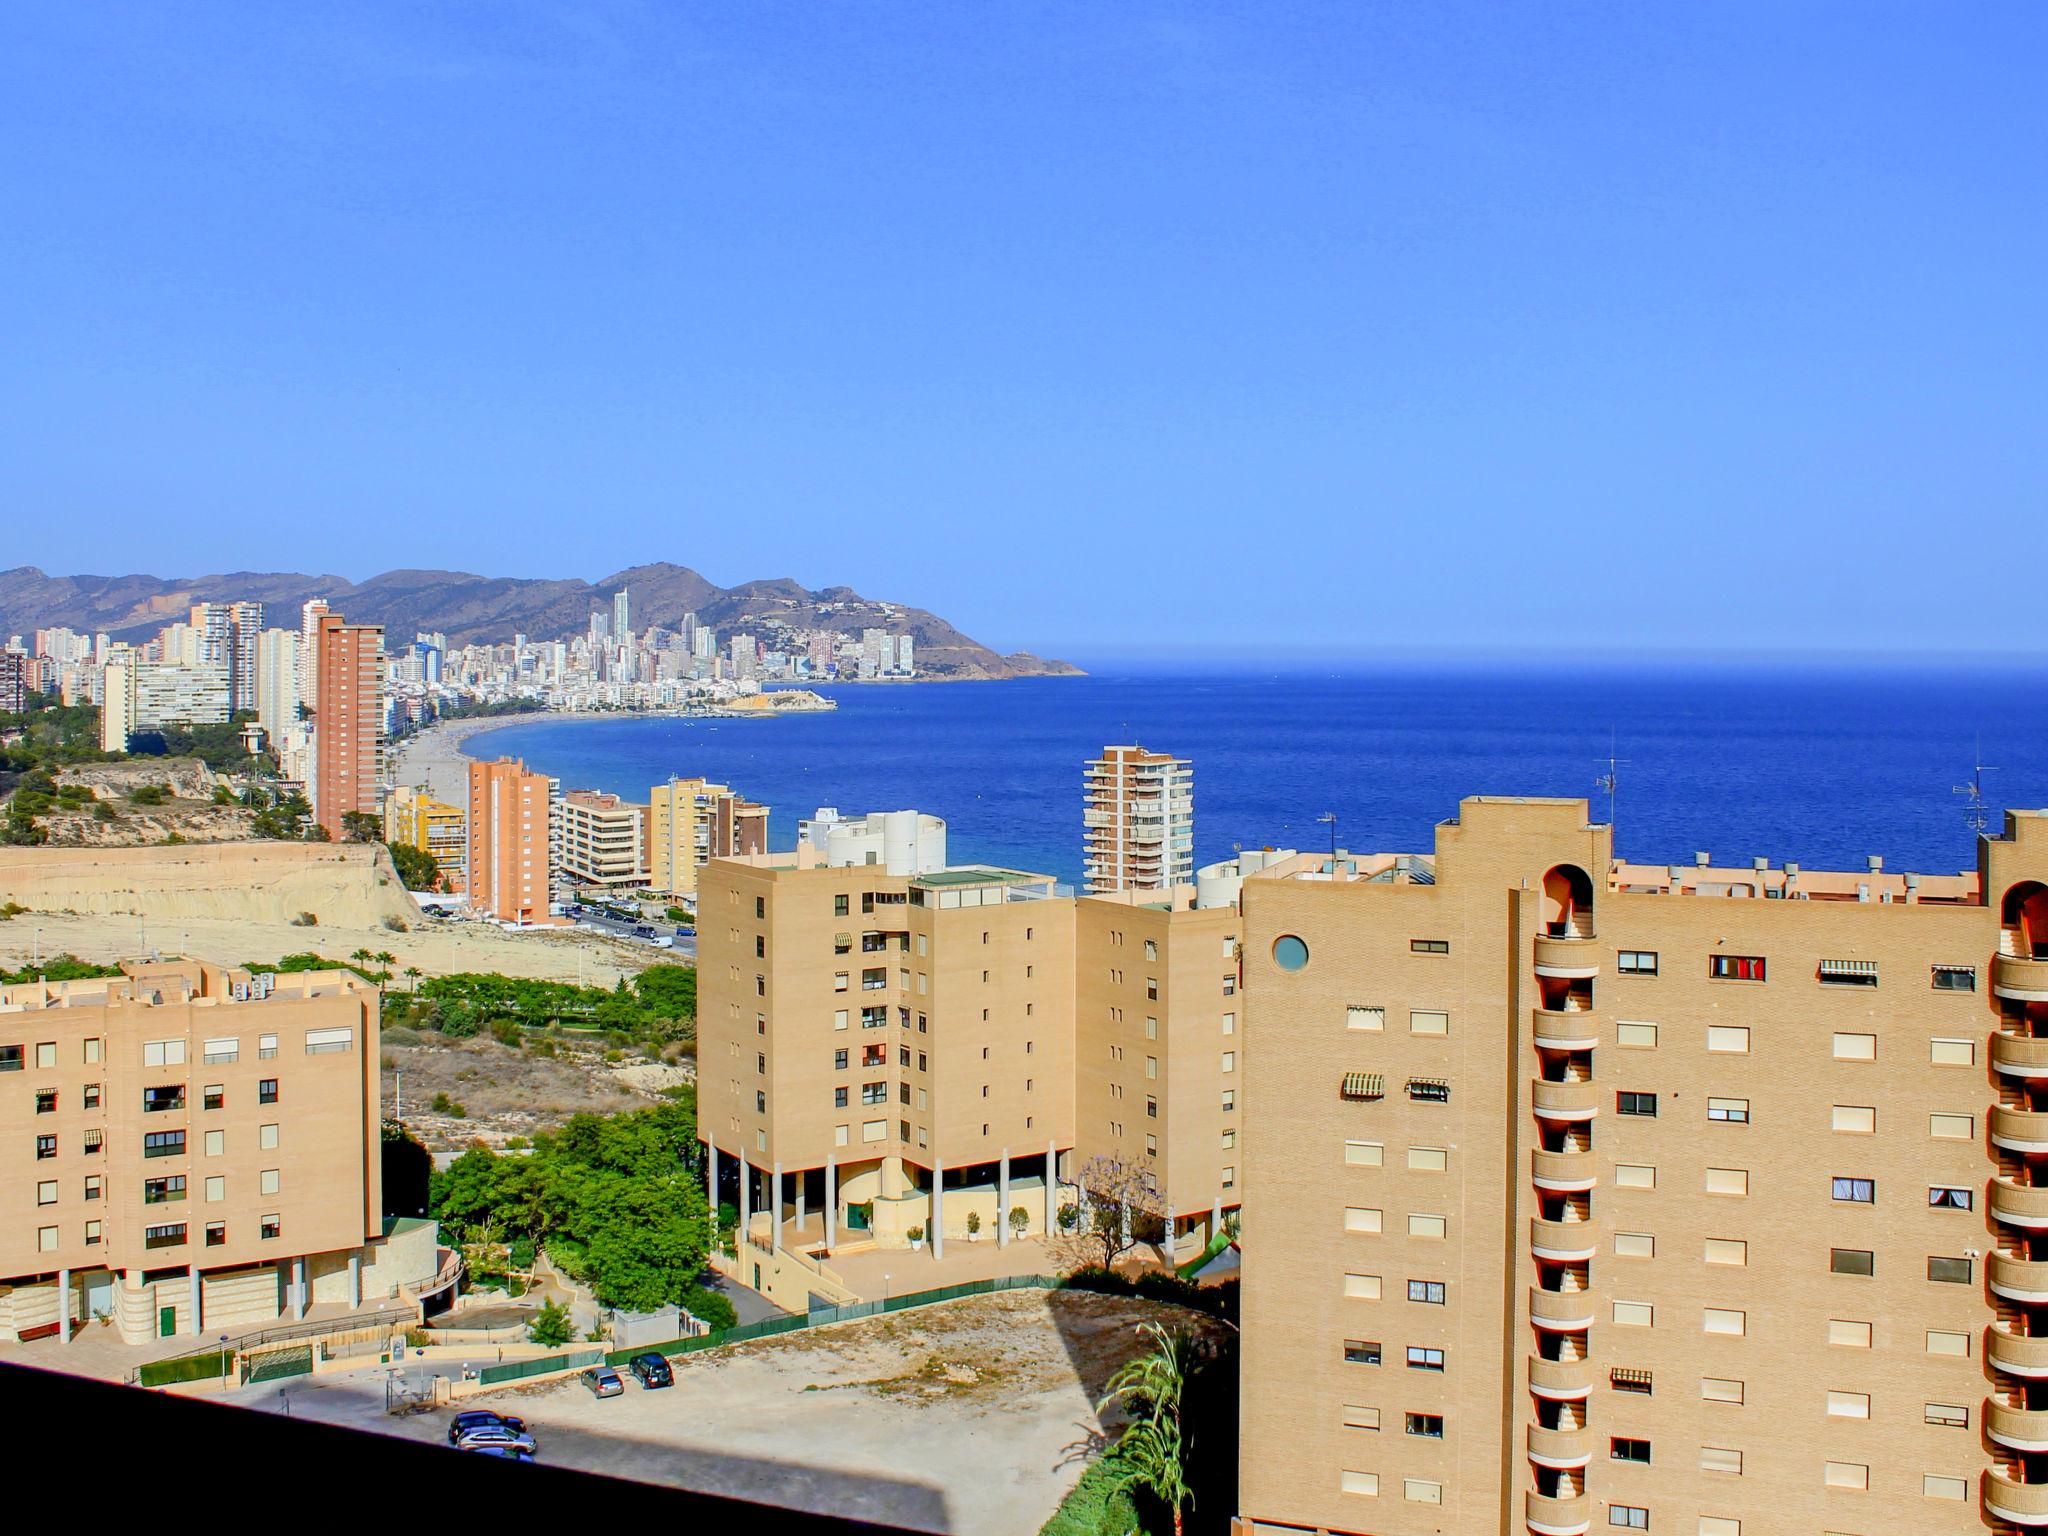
pixel 652 1370
pixel 502 1452
pixel 480 1418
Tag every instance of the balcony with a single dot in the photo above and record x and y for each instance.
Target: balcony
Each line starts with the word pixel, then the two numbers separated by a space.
pixel 1560 1381
pixel 2017 1429
pixel 2020 1205
pixel 2021 1503
pixel 1569 1173
pixel 1561 1449
pixel 2016 1354
pixel 2021 1280
pixel 2020 1055
pixel 1562 1242
pixel 1564 1029
pixel 1560 1311
pixel 1571 959
pixel 2022 979
pixel 2019 1130
pixel 1559 1517
pixel 1581 1101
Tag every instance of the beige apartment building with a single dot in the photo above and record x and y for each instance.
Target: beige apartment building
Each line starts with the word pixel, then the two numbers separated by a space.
pixel 690 821
pixel 194 1150
pixel 348 720
pixel 895 1050
pixel 509 866
pixel 602 840
pixel 1590 1196
pixel 1138 821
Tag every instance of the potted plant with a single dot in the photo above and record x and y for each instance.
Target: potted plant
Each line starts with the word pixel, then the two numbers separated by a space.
pixel 973 1225
pixel 916 1236
pixel 1020 1220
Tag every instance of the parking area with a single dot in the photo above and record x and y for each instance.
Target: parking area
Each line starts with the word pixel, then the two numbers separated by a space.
pixel 973 1417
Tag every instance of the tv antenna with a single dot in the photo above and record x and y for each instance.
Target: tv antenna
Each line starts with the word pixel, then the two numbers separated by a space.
pixel 1976 813
pixel 1331 818
pixel 1611 779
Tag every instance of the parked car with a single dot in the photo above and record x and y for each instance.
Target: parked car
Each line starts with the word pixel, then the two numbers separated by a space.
pixel 482 1418
pixel 504 1452
pixel 652 1370
pixel 497 1435
pixel 603 1381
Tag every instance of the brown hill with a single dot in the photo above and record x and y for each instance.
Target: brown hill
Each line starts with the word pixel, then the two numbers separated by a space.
pixel 475 609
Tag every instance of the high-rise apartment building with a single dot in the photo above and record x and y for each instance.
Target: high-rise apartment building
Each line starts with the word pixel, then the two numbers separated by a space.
pixel 348 720
pixel 1591 1195
pixel 509 863
pixel 692 820
pixel 227 634
pixel 194 1150
pixel 413 816
pixel 603 840
pixel 622 616
pixel 277 680
pixel 1138 820
pixel 13 682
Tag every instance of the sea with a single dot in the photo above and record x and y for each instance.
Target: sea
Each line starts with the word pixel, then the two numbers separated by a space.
pixel 1820 764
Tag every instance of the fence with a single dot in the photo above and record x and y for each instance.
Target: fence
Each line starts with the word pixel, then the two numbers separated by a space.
pixel 514 1370
pixel 821 1316
pixel 395 1319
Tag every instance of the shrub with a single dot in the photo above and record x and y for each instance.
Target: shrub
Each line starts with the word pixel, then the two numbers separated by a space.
pixel 973 1223
pixel 443 1105
pixel 305 920
pixel 551 1325
pixel 915 1234
pixel 1070 1217
pixel 398 925
pixel 1020 1219
pixel 712 1308
pixel 505 1032
pixel 149 794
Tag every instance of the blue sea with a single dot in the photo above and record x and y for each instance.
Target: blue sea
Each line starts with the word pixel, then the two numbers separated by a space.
pixel 1821 765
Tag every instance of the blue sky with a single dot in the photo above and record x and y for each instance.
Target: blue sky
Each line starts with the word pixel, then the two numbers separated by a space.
pixel 1096 328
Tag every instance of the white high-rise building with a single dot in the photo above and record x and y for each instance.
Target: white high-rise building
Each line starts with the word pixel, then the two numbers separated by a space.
pixel 277 680
pixel 1138 821
pixel 622 615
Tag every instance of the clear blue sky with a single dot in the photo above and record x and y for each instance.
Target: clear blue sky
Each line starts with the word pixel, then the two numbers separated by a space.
pixel 1091 326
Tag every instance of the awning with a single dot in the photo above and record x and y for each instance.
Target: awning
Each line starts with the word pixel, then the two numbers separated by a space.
pixel 1957 970
pixel 1364 1085
pixel 1848 967
pixel 1429 1082
pixel 1629 1375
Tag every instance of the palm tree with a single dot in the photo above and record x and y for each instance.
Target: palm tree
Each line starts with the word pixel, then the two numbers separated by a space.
pixel 1150 1452
pixel 413 974
pixel 361 956
pixel 1151 1457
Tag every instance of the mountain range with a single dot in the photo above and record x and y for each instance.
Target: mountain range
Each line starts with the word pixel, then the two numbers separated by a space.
pixel 471 609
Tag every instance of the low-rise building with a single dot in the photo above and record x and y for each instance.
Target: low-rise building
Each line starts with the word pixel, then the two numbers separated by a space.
pixel 413 816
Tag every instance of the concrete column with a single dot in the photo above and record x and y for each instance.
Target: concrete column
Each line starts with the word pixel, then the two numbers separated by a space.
pixel 64 1305
pixel 775 1208
pixel 746 1207
pixel 831 1203
pixel 196 1314
pixel 1052 1186
pixel 1216 1219
pixel 1003 1200
pixel 355 1279
pixel 300 1298
pixel 938 1231
pixel 802 1181
pixel 711 1177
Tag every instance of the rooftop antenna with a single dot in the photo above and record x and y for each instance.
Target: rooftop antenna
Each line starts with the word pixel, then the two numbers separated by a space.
pixel 1611 779
pixel 1331 818
pixel 1976 814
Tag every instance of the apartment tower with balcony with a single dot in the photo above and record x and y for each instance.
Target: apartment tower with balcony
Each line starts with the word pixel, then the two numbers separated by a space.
pixel 348 720
pixel 1591 1195
pixel 1138 821
pixel 690 821
pixel 510 863
pixel 602 840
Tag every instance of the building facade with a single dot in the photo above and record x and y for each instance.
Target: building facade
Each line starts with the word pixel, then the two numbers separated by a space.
pixel 692 820
pixel 509 867
pixel 414 817
pixel 1593 1195
pixel 195 1149
pixel 1138 821
pixel 603 840
pixel 348 720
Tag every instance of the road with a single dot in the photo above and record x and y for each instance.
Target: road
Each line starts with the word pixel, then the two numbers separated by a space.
pixel 684 951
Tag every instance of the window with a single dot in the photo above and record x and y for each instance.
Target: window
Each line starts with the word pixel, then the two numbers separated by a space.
pixel 94 1137
pixel 1850 1047
pixel 1229 1140
pixel 1846 1474
pixel 1365 1484
pixel 270 1226
pixel 10 1058
pixel 216 1189
pixel 162 1143
pixel 1289 953
pixel 1952 1053
pixel 157 1191
pixel 1631 1517
pixel 1361 1352
pixel 1848 1405
pixel 1951 1127
pixel 1636 962
pixel 46 1101
pixel 1429 946
pixel 1428 1226
pixel 1230 1061
pixel 1362 1287
pixel 1363 1154
pixel 216 1143
pixel 1720 1389
pixel 157 1100
pixel 1732 1251
pixel 216 1233
pixel 163 1053
pixel 1933 1487
pixel 266 1091
pixel 1430 1426
pixel 266 1046
pixel 1844 1333
pixel 269 1180
pixel 164 1237
pixel 1949 1197
pixel 841 906
pixel 1625 1378
pixel 1428 1159
pixel 91 1053
pixel 1422 1359
pixel 1634 1245
pixel 1358 1416
pixel 1421 1490
pixel 1719 1525
pixel 1636 1037
pixel 1229 1099
pixel 760 1102
pixel 1853 1119
pixel 1947 1415
pixel 1948 1271
pixel 1727 1181
pixel 1732 1111
pixel 1715 1458
pixel 92 1095
pixel 46 1147
pixel 1619 1449
pixel 1428 1023
pixel 219 1052
pixel 1359 1218
pixel 1634 1314
pixel 212 1096
pixel 1728 1039
pixel 266 1137
pixel 1626 1103
pixel 839 1098
pixel 324 1042
pixel 1735 967
pixel 1429 1090
pixel 1723 1320
pixel 95 1185
pixel 1848 973
pixel 1429 1292
pixel 1634 1176
pixel 1356 1017
pixel 1855 1191
pixel 92 1234
pixel 46 1192
pixel 1941 1342
pixel 1955 978
pixel 1852 1261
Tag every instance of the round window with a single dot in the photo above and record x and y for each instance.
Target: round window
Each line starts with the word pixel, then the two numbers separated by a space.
pixel 1289 953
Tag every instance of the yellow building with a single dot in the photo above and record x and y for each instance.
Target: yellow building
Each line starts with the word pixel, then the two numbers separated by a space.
pixel 415 818
pixel 692 820
pixel 1588 1195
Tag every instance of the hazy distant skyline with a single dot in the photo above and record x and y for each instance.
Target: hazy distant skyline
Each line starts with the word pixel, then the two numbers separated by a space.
pixel 1088 328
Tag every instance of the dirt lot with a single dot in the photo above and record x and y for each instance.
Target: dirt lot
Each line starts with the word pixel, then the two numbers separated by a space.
pixel 508 1092
pixel 974 1417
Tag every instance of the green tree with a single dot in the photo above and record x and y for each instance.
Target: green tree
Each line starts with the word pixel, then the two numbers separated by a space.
pixel 1152 1452
pixel 551 1325
pixel 361 827
pixel 418 870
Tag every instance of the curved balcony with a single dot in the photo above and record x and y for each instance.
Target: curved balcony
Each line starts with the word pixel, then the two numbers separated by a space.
pixel 1581 1101
pixel 1560 1381
pixel 2021 1280
pixel 2017 1429
pixel 1559 1517
pixel 1564 1029
pixel 2022 980
pixel 1562 1449
pixel 1560 1311
pixel 1562 1242
pixel 2016 1354
pixel 2020 1055
pixel 2021 1503
pixel 1572 959
pixel 2019 1130
pixel 1570 1173
pixel 2020 1205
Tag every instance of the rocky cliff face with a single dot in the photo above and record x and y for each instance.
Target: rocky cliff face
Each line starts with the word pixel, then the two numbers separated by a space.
pixel 473 609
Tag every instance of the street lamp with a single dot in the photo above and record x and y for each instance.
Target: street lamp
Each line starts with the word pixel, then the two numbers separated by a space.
pixel 223 1359
pixel 885 1289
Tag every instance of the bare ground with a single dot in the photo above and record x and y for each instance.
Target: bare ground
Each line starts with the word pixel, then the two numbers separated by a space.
pixel 507 1092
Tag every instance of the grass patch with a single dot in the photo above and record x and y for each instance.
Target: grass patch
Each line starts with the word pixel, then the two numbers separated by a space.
pixel 1097 1507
